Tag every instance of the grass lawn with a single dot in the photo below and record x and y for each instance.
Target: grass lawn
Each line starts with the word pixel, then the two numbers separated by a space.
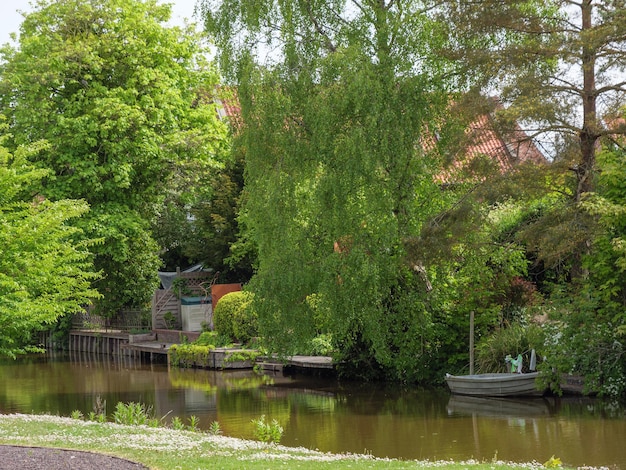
pixel 167 449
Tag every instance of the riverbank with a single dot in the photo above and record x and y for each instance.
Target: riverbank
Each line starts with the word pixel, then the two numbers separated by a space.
pixel 165 448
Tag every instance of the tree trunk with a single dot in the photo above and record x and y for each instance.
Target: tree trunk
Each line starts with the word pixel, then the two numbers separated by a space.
pixel 589 133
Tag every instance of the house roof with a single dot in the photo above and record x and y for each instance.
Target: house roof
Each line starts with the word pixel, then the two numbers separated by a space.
pixel 228 107
pixel 481 139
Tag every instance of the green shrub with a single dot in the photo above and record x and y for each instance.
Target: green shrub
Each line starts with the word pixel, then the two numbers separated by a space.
pixel 189 355
pixel 212 339
pixel 512 340
pixel 242 356
pixel 235 318
pixel 245 323
pixel 321 345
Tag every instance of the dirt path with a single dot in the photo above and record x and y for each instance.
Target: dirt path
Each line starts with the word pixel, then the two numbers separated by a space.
pixel 37 458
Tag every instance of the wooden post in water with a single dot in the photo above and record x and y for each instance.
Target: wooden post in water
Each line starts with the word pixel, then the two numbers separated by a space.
pixel 471 343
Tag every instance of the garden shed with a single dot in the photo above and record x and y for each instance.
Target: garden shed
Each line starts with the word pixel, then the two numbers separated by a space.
pixel 184 300
pixel 187 298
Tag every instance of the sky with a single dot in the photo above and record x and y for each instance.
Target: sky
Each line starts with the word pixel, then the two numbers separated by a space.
pixel 10 19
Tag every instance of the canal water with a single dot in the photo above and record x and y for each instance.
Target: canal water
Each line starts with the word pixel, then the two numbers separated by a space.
pixel 326 414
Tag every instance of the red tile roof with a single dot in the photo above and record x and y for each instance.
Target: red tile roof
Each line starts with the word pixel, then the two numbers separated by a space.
pixel 506 151
pixel 481 137
pixel 228 107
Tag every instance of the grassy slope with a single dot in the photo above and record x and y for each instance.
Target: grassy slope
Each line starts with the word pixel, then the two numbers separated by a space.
pixel 164 448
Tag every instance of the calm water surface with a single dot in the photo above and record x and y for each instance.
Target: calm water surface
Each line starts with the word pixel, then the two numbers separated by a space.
pixel 328 415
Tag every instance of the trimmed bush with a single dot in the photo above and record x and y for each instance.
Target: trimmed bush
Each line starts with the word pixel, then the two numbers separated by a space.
pixel 235 318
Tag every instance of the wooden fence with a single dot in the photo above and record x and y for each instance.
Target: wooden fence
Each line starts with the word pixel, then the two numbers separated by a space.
pixel 166 307
pixel 124 320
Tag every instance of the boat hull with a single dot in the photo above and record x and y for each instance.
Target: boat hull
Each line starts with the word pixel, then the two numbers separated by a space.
pixel 494 385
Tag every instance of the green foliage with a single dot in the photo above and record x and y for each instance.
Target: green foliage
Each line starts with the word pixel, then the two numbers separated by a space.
pixel 190 355
pixel 45 265
pixel 245 323
pixel 354 235
pixel 196 355
pixel 215 429
pixel 553 462
pixel 170 320
pixel 477 266
pixel 214 237
pixel 511 340
pixel 234 317
pixel 336 177
pixel 321 345
pixel 177 423
pixel 127 256
pixel 270 432
pixel 116 95
pixel 517 48
pixel 134 414
pixel 596 353
pixel 181 287
pixel 222 318
pixel 99 418
pixel 194 421
pixel 607 263
pixel 213 339
pixel 242 356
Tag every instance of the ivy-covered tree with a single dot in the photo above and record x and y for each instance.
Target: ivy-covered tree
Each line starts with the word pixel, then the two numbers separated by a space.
pixel 45 264
pixel 114 92
pixel 337 176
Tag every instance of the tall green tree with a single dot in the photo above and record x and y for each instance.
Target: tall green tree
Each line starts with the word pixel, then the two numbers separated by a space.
pixel 598 353
pixel 115 93
pixel 216 237
pixel 558 67
pixel 337 176
pixel 45 264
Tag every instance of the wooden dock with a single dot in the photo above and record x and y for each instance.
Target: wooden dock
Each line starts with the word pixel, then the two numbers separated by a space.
pixel 155 346
pixel 97 342
pixel 310 363
pixel 154 351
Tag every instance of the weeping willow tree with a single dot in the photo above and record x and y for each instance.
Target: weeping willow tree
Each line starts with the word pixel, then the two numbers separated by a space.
pixel 339 102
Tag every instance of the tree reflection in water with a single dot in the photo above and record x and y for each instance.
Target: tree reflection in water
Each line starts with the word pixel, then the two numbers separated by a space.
pixel 325 414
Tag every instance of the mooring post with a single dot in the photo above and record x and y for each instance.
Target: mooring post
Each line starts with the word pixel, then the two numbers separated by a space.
pixel 471 342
